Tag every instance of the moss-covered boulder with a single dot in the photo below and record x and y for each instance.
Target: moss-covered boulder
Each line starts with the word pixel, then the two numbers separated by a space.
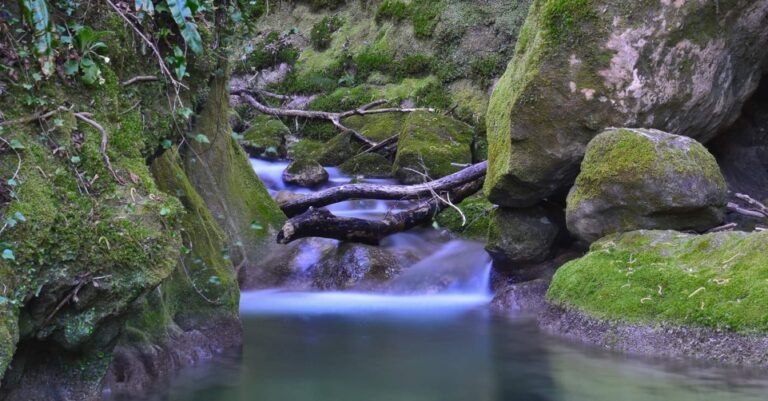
pixel 339 149
pixel 371 165
pixel 645 179
pixel 223 176
pixel 650 277
pixel 685 67
pixel 476 210
pixel 429 144
pixel 305 173
pixel 519 239
pixel 376 127
pixel 354 265
pixel 266 138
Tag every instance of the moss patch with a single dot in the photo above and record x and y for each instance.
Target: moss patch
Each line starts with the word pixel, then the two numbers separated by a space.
pixel 429 143
pixel 650 277
pixel 265 138
pixel 477 211
pixel 368 165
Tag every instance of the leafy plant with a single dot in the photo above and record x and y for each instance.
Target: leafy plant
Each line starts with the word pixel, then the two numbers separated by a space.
pixel 89 45
pixel 182 12
pixel 37 17
pixel 321 34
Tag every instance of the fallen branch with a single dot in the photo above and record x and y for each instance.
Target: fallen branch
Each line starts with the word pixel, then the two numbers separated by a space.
pixel 334 118
pixel 85 117
pixel 386 192
pixel 322 223
pixel 140 78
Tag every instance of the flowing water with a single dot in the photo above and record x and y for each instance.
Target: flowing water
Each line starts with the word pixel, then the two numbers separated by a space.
pixel 419 340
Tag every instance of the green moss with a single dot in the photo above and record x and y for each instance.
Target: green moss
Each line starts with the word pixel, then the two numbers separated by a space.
pixel 561 17
pixel 484 69
pixel 650 277
pixel 321 34
pixel 414 65
pixel 393 10
pixel 306 149
pixel 423 14
pixel 339 149
pixel 376 127
pixel 265 137
pixel 626 156
pixel 344 99
pixel 431 142
pixel 273 49
pixel 476 210
pixel 371 165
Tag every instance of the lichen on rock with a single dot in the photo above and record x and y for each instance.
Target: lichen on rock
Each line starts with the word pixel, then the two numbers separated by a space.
pixel 645 179
pixel 584 65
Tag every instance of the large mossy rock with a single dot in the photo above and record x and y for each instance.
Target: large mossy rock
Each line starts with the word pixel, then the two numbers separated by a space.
pixel 266 138
pixel 433 142
pixel 519 239
pixel 305 173
pixel 372 165
pixel 685 67
pixel 650 277
pixel 223 176
pixel 645 179
pixel 339 149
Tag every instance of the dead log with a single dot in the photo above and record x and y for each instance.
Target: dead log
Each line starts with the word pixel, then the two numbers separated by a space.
pixel 385 192
pixel 334 118
pixel 323 223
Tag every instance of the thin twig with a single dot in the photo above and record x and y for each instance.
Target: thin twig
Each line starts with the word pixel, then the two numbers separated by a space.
pixel 140 78
pixel 103 147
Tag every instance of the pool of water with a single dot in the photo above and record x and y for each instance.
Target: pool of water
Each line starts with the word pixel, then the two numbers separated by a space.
pixel 353 347
pixel 419 341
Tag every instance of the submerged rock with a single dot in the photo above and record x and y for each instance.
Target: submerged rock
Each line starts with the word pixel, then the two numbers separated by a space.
pixel 266 138
pixel 429 144
pixel 519 239
pixel 714 281
pixel 354 265
pixel 645 179
pixel 305 173
pixel 685 67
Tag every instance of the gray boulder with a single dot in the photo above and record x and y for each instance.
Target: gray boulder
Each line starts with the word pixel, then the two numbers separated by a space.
pixel 519 239
pixel 645 179
pixel 305 173
pixel 685 67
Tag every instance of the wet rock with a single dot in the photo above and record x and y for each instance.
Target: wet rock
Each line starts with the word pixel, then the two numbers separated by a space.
pixel 354 265
pixel 685 67
pixel 283 197
pixel 527 297
pixel 429 144
pixel 518 239
pixel 339 149
pixel 266 138
pixel 305 173
pixel 637 178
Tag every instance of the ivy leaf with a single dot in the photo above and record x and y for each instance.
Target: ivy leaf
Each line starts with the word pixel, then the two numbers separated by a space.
pixel 145 5
pixel 12 182
pixel 16 145
pixel 37 16
pixel 3 300
pixel 75 159
pixel 185 112
pixel 236 136
pixel 200 138
pixel 214 280
pixel 256 226
pixel 167 144
pixel 10 222
pixel 71 67
pixel 20 217
pixel 165 211
pixel 8 255
pixel 182 14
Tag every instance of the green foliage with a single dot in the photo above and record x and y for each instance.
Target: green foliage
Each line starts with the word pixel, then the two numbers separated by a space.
pixel 414 65
pixel 273 49
pixel 344 99
pixel 394 10
pixel 433 95
pixel 89 45
pixel 376 57
pixel 37 17
pixel 320 36
pixel 183 12
pixel 329 4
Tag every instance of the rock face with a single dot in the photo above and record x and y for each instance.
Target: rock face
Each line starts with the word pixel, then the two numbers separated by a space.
pixel 520 238
pixel 305 173
pixel 645 179
pixel 742 151
pixel 685 67
pixel 266 138
pixel 655 277
pixel 431 141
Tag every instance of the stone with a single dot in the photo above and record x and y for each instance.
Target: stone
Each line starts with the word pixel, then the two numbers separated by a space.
pixel 645 179
pixel 521 238
pixel 685 67
pixel 433 142
pixel 477 211
pixel 354 265
pixel 266 138
pixel 372 165
pixel 283 197
pixel 305 173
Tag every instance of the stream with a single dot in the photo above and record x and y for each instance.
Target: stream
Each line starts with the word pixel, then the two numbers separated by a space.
pixel 413 343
